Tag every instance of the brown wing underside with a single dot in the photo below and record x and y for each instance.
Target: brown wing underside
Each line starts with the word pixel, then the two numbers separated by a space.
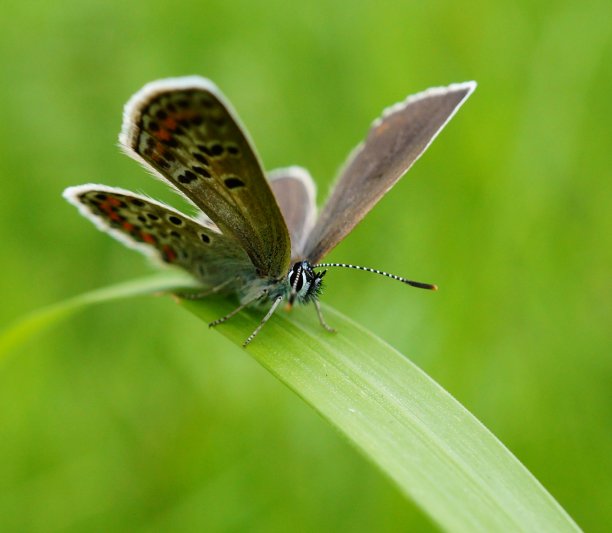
pixel 163 233
pixel 295 193
pixel 393 144
pixel 189 136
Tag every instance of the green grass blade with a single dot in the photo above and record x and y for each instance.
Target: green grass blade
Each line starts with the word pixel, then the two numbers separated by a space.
pixel 21 330
pixel 411 428
pixel 436 452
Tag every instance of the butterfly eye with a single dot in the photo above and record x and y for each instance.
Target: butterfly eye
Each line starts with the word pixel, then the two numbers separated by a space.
pixel 297 278
pixel 301 281
pixel 292 274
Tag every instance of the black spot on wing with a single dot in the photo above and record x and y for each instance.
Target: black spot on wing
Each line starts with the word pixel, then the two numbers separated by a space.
pixel 233 182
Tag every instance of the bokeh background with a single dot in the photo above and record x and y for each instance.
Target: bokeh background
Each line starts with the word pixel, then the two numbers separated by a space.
pixel 135 417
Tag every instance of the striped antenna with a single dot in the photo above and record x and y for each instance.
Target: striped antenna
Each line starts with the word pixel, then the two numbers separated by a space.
pixel 417 284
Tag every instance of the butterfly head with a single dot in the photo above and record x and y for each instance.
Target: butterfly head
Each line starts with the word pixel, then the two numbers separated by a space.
pixel 304 283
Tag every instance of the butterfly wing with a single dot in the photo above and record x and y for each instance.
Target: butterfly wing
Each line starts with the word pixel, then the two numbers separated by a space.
pixel 185 131
pixel 394 143
pixel 295 193
pixel 163 233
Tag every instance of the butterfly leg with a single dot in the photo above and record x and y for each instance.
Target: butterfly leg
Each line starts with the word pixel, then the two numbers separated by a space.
pixel 198 295
pixel 321 319
pixel 237 310
pixel 276 303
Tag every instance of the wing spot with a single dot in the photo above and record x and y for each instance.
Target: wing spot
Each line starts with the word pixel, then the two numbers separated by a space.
pixel 153 126
pixel 170 123
pixel 216 149
pixel 168 254
pixel 116 202
pixel 205 149
pixel 161 114
pixel 170 141
pixel 152 216
pixel 202 172
pixel 233 182
pixel 101 196
pixel 232 149
pixel 205 238
pixel 201 158
pixel 175 234
pixel 175 220
pixel 187 178
pixel 148 238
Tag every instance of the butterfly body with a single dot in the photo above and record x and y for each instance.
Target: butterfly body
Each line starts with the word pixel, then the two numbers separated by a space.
pixel 255 235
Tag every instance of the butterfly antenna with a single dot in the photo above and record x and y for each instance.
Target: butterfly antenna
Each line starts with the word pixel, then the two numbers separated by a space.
pixel 417 284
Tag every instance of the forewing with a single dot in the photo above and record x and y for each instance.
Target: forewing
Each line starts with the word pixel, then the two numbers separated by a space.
pixel 185 131
pixel 295 194
pixel 163 233
pixel 394 142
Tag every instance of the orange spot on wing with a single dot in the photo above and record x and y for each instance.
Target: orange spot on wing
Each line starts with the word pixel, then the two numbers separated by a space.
pixel 170 123
pixel 169 253
pixel 163 135
pixel 128 227
pixel 148 238
pixel 159 152
pixel 107 208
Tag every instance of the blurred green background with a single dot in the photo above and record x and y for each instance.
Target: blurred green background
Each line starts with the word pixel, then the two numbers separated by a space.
pixel 135 417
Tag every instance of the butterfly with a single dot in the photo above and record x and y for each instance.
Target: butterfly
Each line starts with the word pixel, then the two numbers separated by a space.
pixel 255 235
